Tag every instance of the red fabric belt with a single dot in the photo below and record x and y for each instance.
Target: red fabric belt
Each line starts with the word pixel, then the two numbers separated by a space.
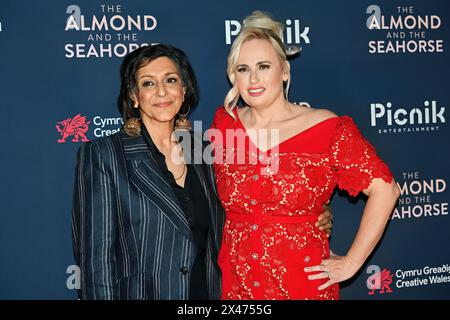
pixel 261 219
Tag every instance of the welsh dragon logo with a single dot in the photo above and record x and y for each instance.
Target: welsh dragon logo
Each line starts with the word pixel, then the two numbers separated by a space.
pixel 380 281
pixel 76 126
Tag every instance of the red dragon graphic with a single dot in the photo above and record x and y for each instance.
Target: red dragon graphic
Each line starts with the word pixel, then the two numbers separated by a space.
pixel 76 126
pixel 385 279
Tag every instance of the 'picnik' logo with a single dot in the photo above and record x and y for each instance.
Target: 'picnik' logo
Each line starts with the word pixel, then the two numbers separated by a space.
pixel 76 126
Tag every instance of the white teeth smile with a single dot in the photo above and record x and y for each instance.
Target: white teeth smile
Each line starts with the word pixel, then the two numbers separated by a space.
pixel 256 90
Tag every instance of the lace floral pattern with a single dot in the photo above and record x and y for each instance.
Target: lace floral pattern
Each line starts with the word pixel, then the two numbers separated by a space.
pixel 269 234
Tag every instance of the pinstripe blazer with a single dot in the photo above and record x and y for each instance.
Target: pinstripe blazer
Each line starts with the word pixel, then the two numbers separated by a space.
pixel 130 236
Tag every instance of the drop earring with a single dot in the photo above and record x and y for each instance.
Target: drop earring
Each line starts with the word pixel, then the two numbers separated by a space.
pixel 182 122
pixel 132 126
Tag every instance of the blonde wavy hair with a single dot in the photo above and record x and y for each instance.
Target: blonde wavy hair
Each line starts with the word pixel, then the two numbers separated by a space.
pixel 258 25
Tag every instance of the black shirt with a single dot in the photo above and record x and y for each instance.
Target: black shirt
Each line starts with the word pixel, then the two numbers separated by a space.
pixel 196 209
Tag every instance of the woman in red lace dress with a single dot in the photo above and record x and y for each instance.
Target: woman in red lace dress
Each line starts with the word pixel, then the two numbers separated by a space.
pixel 277 163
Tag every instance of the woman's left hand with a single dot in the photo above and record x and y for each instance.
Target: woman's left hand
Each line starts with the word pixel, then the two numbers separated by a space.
pixel 335 269
pixel 325 220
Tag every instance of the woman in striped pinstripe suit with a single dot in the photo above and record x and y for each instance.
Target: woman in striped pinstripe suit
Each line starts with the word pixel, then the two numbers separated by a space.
pixel 147 224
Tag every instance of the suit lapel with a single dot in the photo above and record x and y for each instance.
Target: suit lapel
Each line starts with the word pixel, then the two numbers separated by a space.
pixel 149 179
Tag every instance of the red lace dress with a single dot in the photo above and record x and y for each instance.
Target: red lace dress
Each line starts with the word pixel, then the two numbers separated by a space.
pixel 269 234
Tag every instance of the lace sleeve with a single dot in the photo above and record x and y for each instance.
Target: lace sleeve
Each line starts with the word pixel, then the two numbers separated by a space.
pixel 354 159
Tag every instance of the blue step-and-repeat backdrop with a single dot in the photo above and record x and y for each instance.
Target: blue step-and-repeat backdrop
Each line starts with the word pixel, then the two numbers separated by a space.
pixel 385 63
